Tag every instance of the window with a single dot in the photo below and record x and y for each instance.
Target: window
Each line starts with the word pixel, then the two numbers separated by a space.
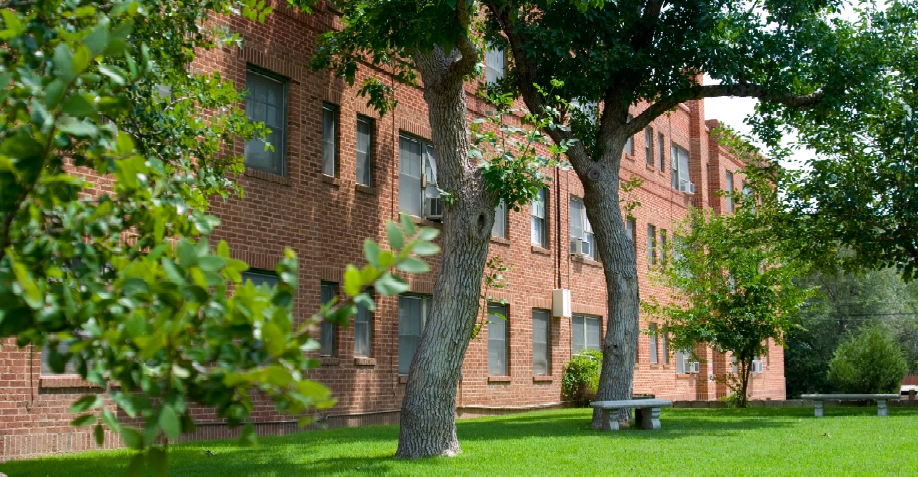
pixel 412 315
pixel 629 144
pixel 417 176
pixel 651 244
pixel 541 349
pixel 653 343
pixel 630 229
pixel 683 358
pixel 537 210
pixel 495 64
pixel 748 196
pixel 728 188
pixel 267 103
pixel 328 346
pixel 581 229
pixel 664 346
pixel 648 145
pixel 365 150
pixel 500 220
pixel 63 347
pixel 679 166
pixel 663 251
pixel 498 344
pixel 585 333
pixel 363 332
pixel 329 140
pixel 260 277
pixel 660 151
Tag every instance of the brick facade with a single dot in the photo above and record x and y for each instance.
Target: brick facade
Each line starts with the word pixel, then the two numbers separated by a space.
pixel 325 220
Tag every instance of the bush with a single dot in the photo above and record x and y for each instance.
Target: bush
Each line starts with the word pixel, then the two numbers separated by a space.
pixel 581 378
pixel 869 362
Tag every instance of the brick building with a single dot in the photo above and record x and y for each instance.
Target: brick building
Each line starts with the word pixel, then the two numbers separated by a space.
pixel 338 172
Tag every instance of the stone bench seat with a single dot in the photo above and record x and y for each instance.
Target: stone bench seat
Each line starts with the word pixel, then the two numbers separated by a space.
pixel 647 412
pixel 881 399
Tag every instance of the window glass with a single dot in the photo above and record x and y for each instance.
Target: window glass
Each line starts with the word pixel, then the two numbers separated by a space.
pixel 728 187
pixel 363 332
pixel 63 347
pixel 417 168
pixel 364 151
pixel 680 170
pixel 500 220
pixel 329 140
pixel 663 250
pixel 581 229
pixel 664 346
pixel 327 340
pixel 653 343
pixel 660 151
pixel 585 333
pixel 495 64
pixel 498 318
pixel 541 349
pixel 537 210
pixel 629 144
pixel 651 244
pixel 412 315
pixel 260 277
pixel 648 145
pixel 267 103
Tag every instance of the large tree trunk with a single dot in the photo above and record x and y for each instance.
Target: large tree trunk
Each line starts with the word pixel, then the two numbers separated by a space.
pixel 617 252
pixel 428 411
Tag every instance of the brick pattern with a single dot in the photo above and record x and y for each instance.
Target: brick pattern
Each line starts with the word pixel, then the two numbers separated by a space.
pixel 325 220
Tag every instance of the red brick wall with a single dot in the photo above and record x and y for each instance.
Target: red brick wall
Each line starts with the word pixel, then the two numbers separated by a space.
pixel 325 220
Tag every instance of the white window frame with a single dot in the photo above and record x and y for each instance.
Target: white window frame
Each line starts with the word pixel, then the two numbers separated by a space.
pixel 495 64
pixel 728 188
pixel 586 229
pixel 363 325
pixel 654 359
pixel 426 182
pixel 648 145
pixel 364 174
pixel 651 244
pixel 679 166
pixel 581 321
pixel 498 339
pixel 331 125
pixel 537 366
pixel 501 227
pixel 328 334
pixel 661 151
pixel 538 211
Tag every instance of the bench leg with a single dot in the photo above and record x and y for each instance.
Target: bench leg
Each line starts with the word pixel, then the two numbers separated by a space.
pixel 610 419
pixel 650 418
pixel 818 405
pixel 882 410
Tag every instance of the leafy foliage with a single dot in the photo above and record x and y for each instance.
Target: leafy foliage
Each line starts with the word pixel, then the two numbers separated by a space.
pixel 124 273
pixel 581 377
pixel 733 289
pixel 858 192
pixel 868 361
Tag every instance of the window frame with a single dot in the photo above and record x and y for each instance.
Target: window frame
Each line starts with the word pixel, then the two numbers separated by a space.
pixel 585 226
pixel 499 346
pixel 546 316
pixel 425 301
pixel 335 167
pixel 44 368
pixel 490 70
pixel 654 358
pixel 368 323
pixel 280 149
pixel 629 143
pixel 648 146
pixel 328 332
pixel 502 218
pixel 651 245
pixel 679 175
pixel 661 151
pixel 262 276
pixel 542 196
pixel 585 335
pixel 427 162
pixel 368 166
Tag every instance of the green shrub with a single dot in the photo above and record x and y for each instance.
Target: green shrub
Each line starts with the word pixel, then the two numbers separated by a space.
pixel 581 378
pixel 869 361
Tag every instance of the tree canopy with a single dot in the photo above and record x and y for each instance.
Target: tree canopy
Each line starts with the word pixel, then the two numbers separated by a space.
pixel 117 277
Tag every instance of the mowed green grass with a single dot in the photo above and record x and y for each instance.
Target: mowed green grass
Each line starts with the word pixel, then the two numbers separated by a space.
pixel 848 441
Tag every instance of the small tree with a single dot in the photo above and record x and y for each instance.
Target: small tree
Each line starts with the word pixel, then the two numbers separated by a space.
pixel 581 377
pixel 732 289
pixel 869 361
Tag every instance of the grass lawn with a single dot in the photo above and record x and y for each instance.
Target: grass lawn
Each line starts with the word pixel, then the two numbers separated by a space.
pixel 849 441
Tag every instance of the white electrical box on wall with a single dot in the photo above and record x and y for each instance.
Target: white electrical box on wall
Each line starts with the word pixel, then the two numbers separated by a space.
pixel 561 303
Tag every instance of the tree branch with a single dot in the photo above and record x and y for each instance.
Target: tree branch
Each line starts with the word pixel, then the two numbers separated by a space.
pixel 720 90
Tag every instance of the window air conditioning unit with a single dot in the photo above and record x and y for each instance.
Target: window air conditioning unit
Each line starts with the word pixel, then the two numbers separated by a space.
pixel 580 247
pixel 756 366
pixel 689 366
pixel 687 187
pixel 433 208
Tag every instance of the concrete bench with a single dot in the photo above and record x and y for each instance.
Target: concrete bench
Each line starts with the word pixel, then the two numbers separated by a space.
pixel 647 412
pixel 882 409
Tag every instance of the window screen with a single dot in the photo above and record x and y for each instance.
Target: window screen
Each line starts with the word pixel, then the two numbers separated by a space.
pixel 267 103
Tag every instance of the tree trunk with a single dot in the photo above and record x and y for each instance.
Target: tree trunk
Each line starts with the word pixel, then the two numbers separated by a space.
pixel 428 410
pixel 617 252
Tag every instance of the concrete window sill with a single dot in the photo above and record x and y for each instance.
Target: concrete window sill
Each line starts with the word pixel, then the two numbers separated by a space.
pixel 267 176
pixel 499 379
